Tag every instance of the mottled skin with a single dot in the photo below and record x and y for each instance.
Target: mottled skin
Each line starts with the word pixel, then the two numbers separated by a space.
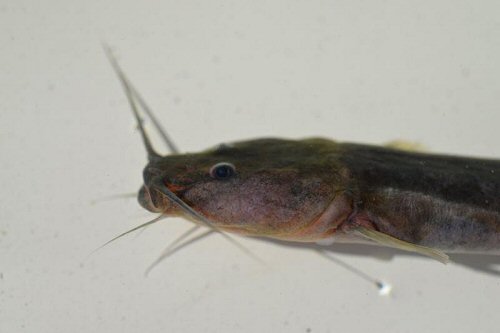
pixel 313 189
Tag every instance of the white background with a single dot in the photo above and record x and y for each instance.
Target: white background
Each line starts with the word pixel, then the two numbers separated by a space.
pixel 215 71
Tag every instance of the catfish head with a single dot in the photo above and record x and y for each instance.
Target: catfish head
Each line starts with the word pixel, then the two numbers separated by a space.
pixel 275 188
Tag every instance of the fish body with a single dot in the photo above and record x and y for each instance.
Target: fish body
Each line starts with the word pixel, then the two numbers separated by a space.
pixel 445 202
pixel 318 190
pixel 315 189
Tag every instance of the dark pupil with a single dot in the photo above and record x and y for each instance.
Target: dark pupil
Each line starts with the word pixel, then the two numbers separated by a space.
pixel 223 171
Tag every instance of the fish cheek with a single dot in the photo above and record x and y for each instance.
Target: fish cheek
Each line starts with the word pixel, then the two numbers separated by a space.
pixel 216 199
pixel 263 204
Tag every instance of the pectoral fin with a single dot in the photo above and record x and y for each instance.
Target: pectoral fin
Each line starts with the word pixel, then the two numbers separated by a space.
pixel 390 241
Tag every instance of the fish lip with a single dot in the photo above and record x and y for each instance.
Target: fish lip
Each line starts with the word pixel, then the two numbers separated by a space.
pixel 154 201
pixel 148 201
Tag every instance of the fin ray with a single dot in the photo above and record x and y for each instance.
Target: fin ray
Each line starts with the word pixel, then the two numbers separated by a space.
pixel 393 242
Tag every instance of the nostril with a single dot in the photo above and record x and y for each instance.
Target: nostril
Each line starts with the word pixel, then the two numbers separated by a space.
pixel 149 173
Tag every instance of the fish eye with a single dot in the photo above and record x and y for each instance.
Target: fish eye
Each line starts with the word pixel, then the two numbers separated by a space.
pixel 222 170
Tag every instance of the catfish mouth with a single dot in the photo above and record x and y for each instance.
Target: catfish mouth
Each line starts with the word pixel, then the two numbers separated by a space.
pixel 151 201
pixel 156 202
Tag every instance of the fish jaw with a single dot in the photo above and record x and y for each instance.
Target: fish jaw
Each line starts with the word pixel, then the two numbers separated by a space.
pixel 155 202
pixel 145 200
pixel 325 226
